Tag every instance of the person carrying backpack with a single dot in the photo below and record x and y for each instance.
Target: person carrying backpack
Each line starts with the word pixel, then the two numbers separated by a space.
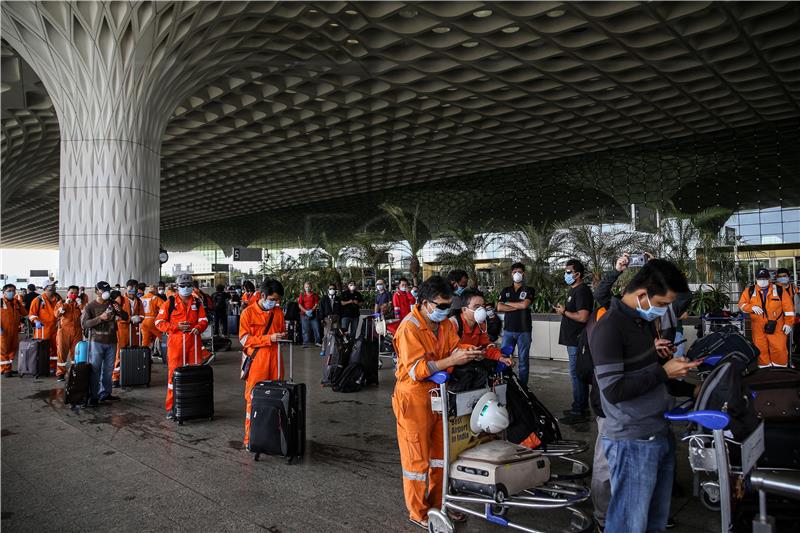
pixel 771 316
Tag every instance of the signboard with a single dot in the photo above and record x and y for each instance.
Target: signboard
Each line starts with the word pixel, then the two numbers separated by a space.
pixel 644 219
pixel 219 267
pixel 39 273
pixel 462 438
pixel 247 254
pixel 730 236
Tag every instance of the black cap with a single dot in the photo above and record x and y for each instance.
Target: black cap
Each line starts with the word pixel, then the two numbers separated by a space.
pixel 782 271
pixel 102 286
pixel 763 273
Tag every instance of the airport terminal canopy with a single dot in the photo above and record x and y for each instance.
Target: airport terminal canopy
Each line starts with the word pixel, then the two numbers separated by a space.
pixel 131 125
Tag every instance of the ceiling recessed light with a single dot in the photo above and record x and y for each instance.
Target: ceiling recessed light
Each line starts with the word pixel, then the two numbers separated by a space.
pixel 483 13
pixel 352 41
pixel 511 29
pixel 441 29
pixel 473 97
pixel 609 89
pixel 408 13
pixel 445 105
pixel 333 25
pixel 313 11
pixel 452 88
pixel 258 82
pixel 289 91
pixel 351 12
pixel 423 97
pixel 555 13
pixel 469 44
pixel 318 99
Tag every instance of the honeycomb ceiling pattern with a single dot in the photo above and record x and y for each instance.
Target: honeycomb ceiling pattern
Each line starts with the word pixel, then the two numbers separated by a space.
pixel 332 106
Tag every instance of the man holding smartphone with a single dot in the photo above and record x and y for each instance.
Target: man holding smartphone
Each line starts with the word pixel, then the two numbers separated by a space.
pixel 183 319
pixel 100 318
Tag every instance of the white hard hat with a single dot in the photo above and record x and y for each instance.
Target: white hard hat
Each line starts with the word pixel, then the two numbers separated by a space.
pixel 489 415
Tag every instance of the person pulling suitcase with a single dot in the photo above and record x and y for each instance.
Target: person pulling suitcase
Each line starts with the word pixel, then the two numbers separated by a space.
pixel 178 316
pixel 261 327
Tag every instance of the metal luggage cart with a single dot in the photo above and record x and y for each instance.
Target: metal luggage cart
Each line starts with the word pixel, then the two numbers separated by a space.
pixel 385 330
pixel 716 323
pixel 551 495
pixel 710 459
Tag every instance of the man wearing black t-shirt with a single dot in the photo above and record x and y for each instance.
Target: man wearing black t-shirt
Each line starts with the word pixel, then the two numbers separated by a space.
pixel 574 316
pixel 351 308
pixel 515 302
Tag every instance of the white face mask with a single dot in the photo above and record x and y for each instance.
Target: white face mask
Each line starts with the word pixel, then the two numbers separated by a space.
pixel 185 291
pixel 106 295
pixel 517 276
pixel 404 289
pixel 762 282
pixel 480 315
pixel 331 292
pixel 351 287
pixel 379 286
pixel 268 304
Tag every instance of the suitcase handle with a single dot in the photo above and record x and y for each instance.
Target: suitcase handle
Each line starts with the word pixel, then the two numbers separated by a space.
pixel 291 360
pixel 183 343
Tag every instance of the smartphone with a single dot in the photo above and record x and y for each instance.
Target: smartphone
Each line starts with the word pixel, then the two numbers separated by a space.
pixel 637 260
pixel 679 342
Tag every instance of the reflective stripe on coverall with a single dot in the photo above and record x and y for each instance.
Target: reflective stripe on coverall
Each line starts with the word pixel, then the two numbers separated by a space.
pixel 265 365
pixel 195 315
pixel 477 336
pixel 69 332
pixel 43 309
pixel 127 332
pixel 773 347
pixel 10 313
pixel 151 304
pixel 419 430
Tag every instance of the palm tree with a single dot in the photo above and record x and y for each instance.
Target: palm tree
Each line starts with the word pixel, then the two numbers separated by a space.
pixel 368 249
pixel 461 245
pixel 717 256
pixel 538 246
pixel 598 245
pixel 412 234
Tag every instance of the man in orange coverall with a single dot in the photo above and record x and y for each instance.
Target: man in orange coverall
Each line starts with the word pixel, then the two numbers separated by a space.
pixel 183 318
pixel 43 316
pixel 151 303
pixel 471 325
pixel 128 330
pixel 261 342
pixel 425 342
pixel 767 302
pixel 11 310
pixel 68 313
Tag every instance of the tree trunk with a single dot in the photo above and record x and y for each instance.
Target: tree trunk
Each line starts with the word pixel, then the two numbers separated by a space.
pixel 415 270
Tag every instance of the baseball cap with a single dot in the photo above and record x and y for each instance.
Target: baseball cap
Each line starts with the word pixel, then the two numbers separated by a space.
pixel 782 271
pixel 102 286
pixel 763 273
pixel 183 279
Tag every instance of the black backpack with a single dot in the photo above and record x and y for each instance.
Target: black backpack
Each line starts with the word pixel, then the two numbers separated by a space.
pixel 336 348
pixel 723 390
pixel 292 311
pixel 470 376
pixel 351 379
pixel 528 414
pixel 730 344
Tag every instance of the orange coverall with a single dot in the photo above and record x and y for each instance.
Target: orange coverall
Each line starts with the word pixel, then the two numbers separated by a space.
pixel 419 430
pixel 151 304
pixel 127 332
pixel 69 332
pixel 43 309
pixel 179 342
pixel 10 313
pixel 266 364
pixel 773 346
pixel 477 336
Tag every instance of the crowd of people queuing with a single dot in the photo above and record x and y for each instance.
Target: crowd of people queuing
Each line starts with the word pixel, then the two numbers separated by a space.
pixel 628 380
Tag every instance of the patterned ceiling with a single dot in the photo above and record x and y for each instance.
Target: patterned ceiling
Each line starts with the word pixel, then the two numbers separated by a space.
pixel 564 105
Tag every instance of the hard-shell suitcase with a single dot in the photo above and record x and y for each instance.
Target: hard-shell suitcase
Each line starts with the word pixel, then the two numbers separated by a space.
pixel 81 352
pixel 76 389
pixel 781 445
pixel 34 356
pixel 278 416
pixel 192 389
pixel 336 348
pixel 233 325
pixel 365 352
pixel 134 364
pixel 777 393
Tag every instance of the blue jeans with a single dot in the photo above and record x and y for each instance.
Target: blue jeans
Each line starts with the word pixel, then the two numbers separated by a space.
pixel 310 321
pixel 580 390
pixel 523 343
pixel 351 325
pixel 641 483
pixel 102 358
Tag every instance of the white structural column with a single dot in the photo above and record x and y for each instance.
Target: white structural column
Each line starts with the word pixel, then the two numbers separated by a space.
pixel 95 62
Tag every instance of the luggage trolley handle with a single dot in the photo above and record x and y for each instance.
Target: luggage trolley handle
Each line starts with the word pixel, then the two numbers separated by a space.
pixel 183 339
pixel 291 359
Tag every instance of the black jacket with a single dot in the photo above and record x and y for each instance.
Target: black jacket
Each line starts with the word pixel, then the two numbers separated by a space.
pixel 328 307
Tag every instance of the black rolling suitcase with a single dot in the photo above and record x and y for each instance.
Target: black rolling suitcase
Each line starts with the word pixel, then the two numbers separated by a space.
pixel 192 389
pixel 76 388
pixel 278 416
pixel 34 356
pixel 233 320
pixel 135 363
pixel 365 353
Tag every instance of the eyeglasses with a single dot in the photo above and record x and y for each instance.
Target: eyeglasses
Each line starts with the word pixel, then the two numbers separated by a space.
pixel 443 307
pixel 185 285
pixel 570 272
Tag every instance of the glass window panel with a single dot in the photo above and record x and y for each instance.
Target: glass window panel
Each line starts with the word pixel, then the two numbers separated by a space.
pixel 791 227
pixel 776 229
pixel 791 215
pixel 748 217
pixel 791 237
pixel 751 239
pixel 749 230
pixel 770 215
pixel 771 239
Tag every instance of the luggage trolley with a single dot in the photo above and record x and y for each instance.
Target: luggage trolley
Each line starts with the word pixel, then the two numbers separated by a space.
pixel 713 323
pixel 385 330
pixel 547 495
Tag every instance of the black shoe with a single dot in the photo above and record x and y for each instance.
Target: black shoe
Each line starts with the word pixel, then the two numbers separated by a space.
pixel 115 384
pixel 568 412
pixel 60 378
pixel 572 419
pixel 92 403
pixel 670 522
pixel 111 398
pixel 9 374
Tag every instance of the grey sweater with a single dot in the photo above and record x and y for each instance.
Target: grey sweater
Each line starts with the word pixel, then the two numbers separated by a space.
pixel 104 332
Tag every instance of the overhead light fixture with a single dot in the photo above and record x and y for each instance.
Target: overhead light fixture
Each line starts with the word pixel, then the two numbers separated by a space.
pixel 333 25
pixel 408 13
pixel 289 91
pixel 352 41
pixel 258 82
pixel 452 88
pixel 441 29
pixel 510 29
pixel 423 97
pixel 445 105
pixel 483 13
pixel 470 44
pixel 318 99
pixel 555 13
pixel 313 11
pixel 351 12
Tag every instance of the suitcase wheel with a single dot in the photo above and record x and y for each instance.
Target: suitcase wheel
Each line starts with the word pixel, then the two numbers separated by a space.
pixel 256 456
pixel 180 422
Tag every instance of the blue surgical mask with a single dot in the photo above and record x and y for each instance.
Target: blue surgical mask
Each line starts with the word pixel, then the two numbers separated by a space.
pixel 569 278
pixel 268 305
pixel 438 315
pixel 185 291
pixel 414 294
pixel 459 290
pixel 9 295
pixel 403 289
pixel 652 313
pixel 783 279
